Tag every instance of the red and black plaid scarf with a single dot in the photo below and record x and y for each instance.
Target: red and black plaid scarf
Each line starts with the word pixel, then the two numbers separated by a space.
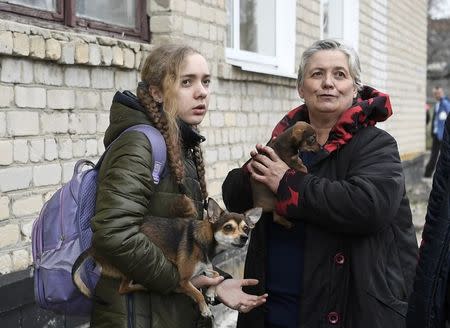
pixel 372 106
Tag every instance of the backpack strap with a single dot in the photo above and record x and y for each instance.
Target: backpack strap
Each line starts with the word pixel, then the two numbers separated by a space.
pixel 158 144
pixel 159 150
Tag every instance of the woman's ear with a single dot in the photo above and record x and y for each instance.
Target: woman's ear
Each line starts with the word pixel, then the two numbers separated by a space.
pixel 156 94
pixel 300 91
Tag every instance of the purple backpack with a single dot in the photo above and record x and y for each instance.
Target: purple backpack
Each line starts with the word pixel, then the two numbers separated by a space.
pixel 62 232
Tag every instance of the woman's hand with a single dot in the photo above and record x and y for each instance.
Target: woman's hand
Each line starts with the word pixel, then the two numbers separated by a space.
pixel 230 293
pixel 267 169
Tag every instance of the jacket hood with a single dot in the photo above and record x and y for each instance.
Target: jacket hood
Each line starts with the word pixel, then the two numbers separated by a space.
pixel 126 111
pixel 370 107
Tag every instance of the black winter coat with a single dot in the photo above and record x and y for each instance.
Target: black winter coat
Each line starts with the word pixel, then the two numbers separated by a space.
pixel 429 303
pixel 360 248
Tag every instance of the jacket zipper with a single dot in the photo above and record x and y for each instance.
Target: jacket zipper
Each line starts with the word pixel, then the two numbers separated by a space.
pixel 37 251
pixel 37 235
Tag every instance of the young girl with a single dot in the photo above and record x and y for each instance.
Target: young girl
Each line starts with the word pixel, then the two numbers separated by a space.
pixel 173 96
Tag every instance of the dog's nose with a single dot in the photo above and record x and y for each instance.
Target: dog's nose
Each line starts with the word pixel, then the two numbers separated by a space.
pixel 244 238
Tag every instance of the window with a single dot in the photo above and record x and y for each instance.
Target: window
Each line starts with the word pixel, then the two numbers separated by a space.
pixel 261 36
pixel 49 5
pixel 125 17
pixel 340 20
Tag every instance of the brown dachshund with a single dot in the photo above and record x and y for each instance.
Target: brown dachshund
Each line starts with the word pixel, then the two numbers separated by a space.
pixel 299 137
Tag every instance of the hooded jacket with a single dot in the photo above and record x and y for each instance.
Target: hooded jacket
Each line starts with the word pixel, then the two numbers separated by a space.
pixel 126 193
pixel 360 247
pixel 429 304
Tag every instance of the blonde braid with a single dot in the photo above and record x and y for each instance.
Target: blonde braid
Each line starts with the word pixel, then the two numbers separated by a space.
pixel 184 206
pixel 200 165
pixel 161 74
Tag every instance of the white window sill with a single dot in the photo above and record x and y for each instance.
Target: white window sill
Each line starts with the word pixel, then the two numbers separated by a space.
pixel 256 63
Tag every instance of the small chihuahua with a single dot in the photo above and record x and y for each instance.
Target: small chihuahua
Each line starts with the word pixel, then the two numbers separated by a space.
pixel 299 137
pixel 190 244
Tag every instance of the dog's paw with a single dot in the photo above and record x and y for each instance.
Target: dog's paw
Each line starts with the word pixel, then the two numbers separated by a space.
pixel 206 311
pixel 211 273
pixel 210 295
pixel 282 221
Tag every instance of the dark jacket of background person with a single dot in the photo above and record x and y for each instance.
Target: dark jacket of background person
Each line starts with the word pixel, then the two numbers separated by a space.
pixel 429 304
pixel 360 249
pixel 126 193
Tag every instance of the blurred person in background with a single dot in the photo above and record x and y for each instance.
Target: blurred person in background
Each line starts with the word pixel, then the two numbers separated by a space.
pixel 440 112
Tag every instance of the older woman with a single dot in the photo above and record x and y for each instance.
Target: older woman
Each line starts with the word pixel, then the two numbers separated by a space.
pixel 349 260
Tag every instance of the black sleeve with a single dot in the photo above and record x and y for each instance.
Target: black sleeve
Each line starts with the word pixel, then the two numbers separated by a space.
pixel 364 202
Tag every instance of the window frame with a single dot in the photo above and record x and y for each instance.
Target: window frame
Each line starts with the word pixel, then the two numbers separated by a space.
pixel 345 20
pixel 283 63
pixel 57 16
pixel 66 16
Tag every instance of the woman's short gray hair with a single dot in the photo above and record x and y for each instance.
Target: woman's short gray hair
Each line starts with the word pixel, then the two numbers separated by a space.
pixel 330 44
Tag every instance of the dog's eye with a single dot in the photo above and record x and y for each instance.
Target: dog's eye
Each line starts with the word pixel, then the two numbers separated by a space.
pixel 228 227
pixel 246 229
pixel 311 140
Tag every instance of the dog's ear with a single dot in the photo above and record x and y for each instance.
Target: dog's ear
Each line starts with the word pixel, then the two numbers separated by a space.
pixel 297 133
pixel 214 210
pixel 253 215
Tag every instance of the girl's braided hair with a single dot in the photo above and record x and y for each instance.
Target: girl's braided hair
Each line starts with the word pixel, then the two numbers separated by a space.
pixel 162 70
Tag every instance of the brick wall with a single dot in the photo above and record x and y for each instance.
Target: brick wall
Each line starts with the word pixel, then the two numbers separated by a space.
pixel 393 59
pixel 56 89
pixel 407 73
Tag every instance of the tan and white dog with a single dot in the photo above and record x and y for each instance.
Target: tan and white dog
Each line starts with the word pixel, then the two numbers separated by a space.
pixel 190 244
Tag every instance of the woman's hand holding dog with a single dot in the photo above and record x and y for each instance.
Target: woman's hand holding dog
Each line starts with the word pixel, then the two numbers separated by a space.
pixel 230 293
pixel 266 167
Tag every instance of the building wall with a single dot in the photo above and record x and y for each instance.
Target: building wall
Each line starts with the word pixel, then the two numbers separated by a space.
pixel 56 88
pixel 393 60
pixel 407 73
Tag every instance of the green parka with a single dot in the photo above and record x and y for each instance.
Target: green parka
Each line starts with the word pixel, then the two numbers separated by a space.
pixel 126 193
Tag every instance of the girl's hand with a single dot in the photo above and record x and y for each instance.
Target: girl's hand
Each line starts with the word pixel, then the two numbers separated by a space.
pixel 230 293
pixel 266 167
